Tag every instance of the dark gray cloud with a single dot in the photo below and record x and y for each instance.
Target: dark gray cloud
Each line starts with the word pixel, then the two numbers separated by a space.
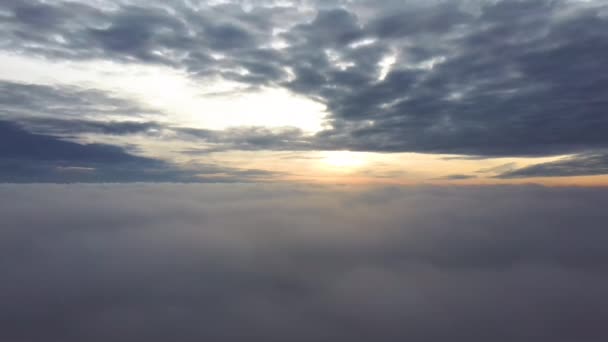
pixel 250 139
pixel 27 157
pixel 407 21
pixel 30 157
pixel 18 143
pixel 173 34
pixel 588 164
pixel 76 113
pixel 330 28
pixel 21 101
pixel 75 126
pixel 272 263
pixel 519 79
pixel 457 177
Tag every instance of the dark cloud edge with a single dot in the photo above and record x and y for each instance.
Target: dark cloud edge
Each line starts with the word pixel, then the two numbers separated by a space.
pixel 27 157
pixel 585 164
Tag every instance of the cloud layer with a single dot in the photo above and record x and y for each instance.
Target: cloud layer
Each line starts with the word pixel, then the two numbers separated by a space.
pixel 514 78
pixel 480 78
pixel 270 263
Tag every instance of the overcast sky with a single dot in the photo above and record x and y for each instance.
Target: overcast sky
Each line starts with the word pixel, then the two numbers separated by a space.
pixel 349 91
pixel 303 170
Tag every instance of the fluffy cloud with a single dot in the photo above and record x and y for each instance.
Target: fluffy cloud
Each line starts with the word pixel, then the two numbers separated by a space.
pixel 270 263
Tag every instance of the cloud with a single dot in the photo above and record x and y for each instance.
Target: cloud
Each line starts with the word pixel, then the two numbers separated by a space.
pixel 20 101
pixel 250 139
pixel 47 116
pixel 19 144
pixel 301 263
pixel 507 167
pixel 587 164
pixel 515 80
pixel 475 78
pixel 27 157
pixel 173 34
pixel 457 177
pixel 75 126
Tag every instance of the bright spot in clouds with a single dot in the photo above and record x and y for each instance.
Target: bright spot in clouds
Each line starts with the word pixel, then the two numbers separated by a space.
pixel 210 103
pixel 344 159
pixel 267 107
pixel 386 64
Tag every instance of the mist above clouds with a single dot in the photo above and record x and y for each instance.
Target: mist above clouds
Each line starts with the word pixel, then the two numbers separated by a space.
pixel 297 263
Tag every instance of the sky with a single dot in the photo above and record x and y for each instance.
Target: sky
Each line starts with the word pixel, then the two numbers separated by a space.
pixel 303 170
pixel 338 91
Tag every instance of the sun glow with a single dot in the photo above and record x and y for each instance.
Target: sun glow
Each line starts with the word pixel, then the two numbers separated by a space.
pixel 344 159
pixel 209 103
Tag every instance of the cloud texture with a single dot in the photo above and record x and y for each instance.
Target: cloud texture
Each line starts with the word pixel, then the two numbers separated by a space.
pixel 274 263
pixel 480 78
